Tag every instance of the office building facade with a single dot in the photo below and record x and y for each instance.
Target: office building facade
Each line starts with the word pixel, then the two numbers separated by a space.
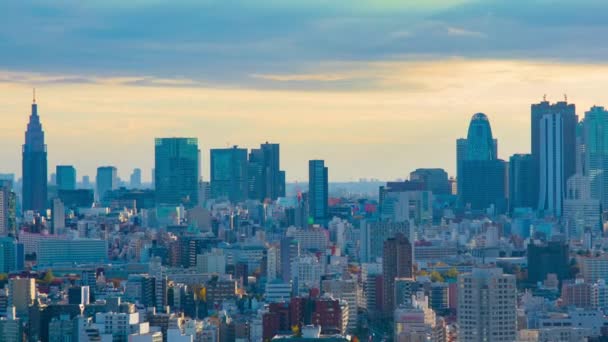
pixel 176 165
pixel 318 191
pixel 558 146
pixel 106 180
pixel 66 177
pixel 397 262
pixel 487 306
pixel 229 174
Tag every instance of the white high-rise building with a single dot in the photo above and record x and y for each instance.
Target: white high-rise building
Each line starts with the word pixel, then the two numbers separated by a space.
pixel 551 174
pixel 306 273
pixel 415 321
pixel 21 294
pixel 212 262
pixel 157 270
pixel 487 306
pixel 581 211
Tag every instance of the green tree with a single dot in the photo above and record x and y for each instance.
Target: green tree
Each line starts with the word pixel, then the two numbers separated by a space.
pixel 452 273
pixel 436 276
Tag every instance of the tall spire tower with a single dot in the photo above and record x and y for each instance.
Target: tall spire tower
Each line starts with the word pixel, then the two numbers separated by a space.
pixel 34 164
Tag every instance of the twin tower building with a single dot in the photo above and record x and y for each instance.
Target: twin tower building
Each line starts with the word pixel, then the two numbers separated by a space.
pixel 537 180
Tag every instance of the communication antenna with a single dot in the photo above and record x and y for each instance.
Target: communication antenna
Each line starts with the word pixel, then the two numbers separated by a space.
pixel 34 96
pixel 545 98
pixel 565 97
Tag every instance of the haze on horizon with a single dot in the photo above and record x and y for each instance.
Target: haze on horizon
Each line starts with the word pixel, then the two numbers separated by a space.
pixel 374 87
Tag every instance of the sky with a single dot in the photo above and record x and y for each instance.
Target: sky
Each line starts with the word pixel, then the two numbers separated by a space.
pixel 377 88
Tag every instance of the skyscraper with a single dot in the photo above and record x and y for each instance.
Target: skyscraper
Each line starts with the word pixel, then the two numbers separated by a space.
pixel 545 258
pixel 106 180
pixel 481 176
pixel 265 178
pixel 66 177
pixel 435 180
pixel 318 191
pixel 176 171
pixel 8 199
pixel 135 181
pixel 396 263
pixel 595 130
pixel 290 251
pixel 551 181
pixel 229 171
pixel 35 176
pixel 487 306
pixel 521 180
pixel 567 153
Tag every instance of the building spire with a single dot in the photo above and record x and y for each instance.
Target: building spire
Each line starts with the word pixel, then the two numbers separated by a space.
pixel 34 99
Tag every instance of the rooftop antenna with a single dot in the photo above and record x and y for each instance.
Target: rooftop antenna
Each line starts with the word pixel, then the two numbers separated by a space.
pixel 34 90
pixel 565 97
pixel 545 98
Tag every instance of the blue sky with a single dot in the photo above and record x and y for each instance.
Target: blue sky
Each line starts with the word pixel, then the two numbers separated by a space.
pixel 226 42
pixel 355 82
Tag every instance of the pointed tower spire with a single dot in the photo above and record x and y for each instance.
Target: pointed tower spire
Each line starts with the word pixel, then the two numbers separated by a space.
pixel 34 100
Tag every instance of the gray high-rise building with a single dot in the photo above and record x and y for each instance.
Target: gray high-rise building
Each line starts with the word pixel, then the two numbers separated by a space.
pixel 290 251
pixel 487 306
pixel 35 177
pixel 106 180
pixel 66 177
pixel 551 181
pixel 521 179
pixel 266 180
pixel 481 176
pixel 229 174
pixel 435 180
pixel 595 132
pixel 135 181
pixel 318 191
pixel 569 121
pixel 8 199
pixel 176 171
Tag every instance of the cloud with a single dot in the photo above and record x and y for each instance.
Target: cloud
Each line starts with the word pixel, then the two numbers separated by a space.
pixel 460 32
pixel 225 42
pixel 301 77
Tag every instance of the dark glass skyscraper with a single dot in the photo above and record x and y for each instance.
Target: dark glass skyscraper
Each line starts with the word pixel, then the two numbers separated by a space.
pixel 481 176
pixel 66 177
pixel 34 165
pixel 521 178
pixel 595 131
pixel 105 181
pixel 176 171
pixel 318 191
pixel 229 174
pixel 435 180
pixel 265 178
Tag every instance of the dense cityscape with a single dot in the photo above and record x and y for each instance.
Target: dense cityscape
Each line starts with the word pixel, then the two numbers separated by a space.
pixel 502 251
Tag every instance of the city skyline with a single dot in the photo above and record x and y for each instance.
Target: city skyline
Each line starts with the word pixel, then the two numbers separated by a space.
pixel 412 72
pixel 125 165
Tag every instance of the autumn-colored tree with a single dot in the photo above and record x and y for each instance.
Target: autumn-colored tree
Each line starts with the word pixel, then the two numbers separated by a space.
pixel 436 276
pixel 452 273
pixel 48 277
pixel 296 330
